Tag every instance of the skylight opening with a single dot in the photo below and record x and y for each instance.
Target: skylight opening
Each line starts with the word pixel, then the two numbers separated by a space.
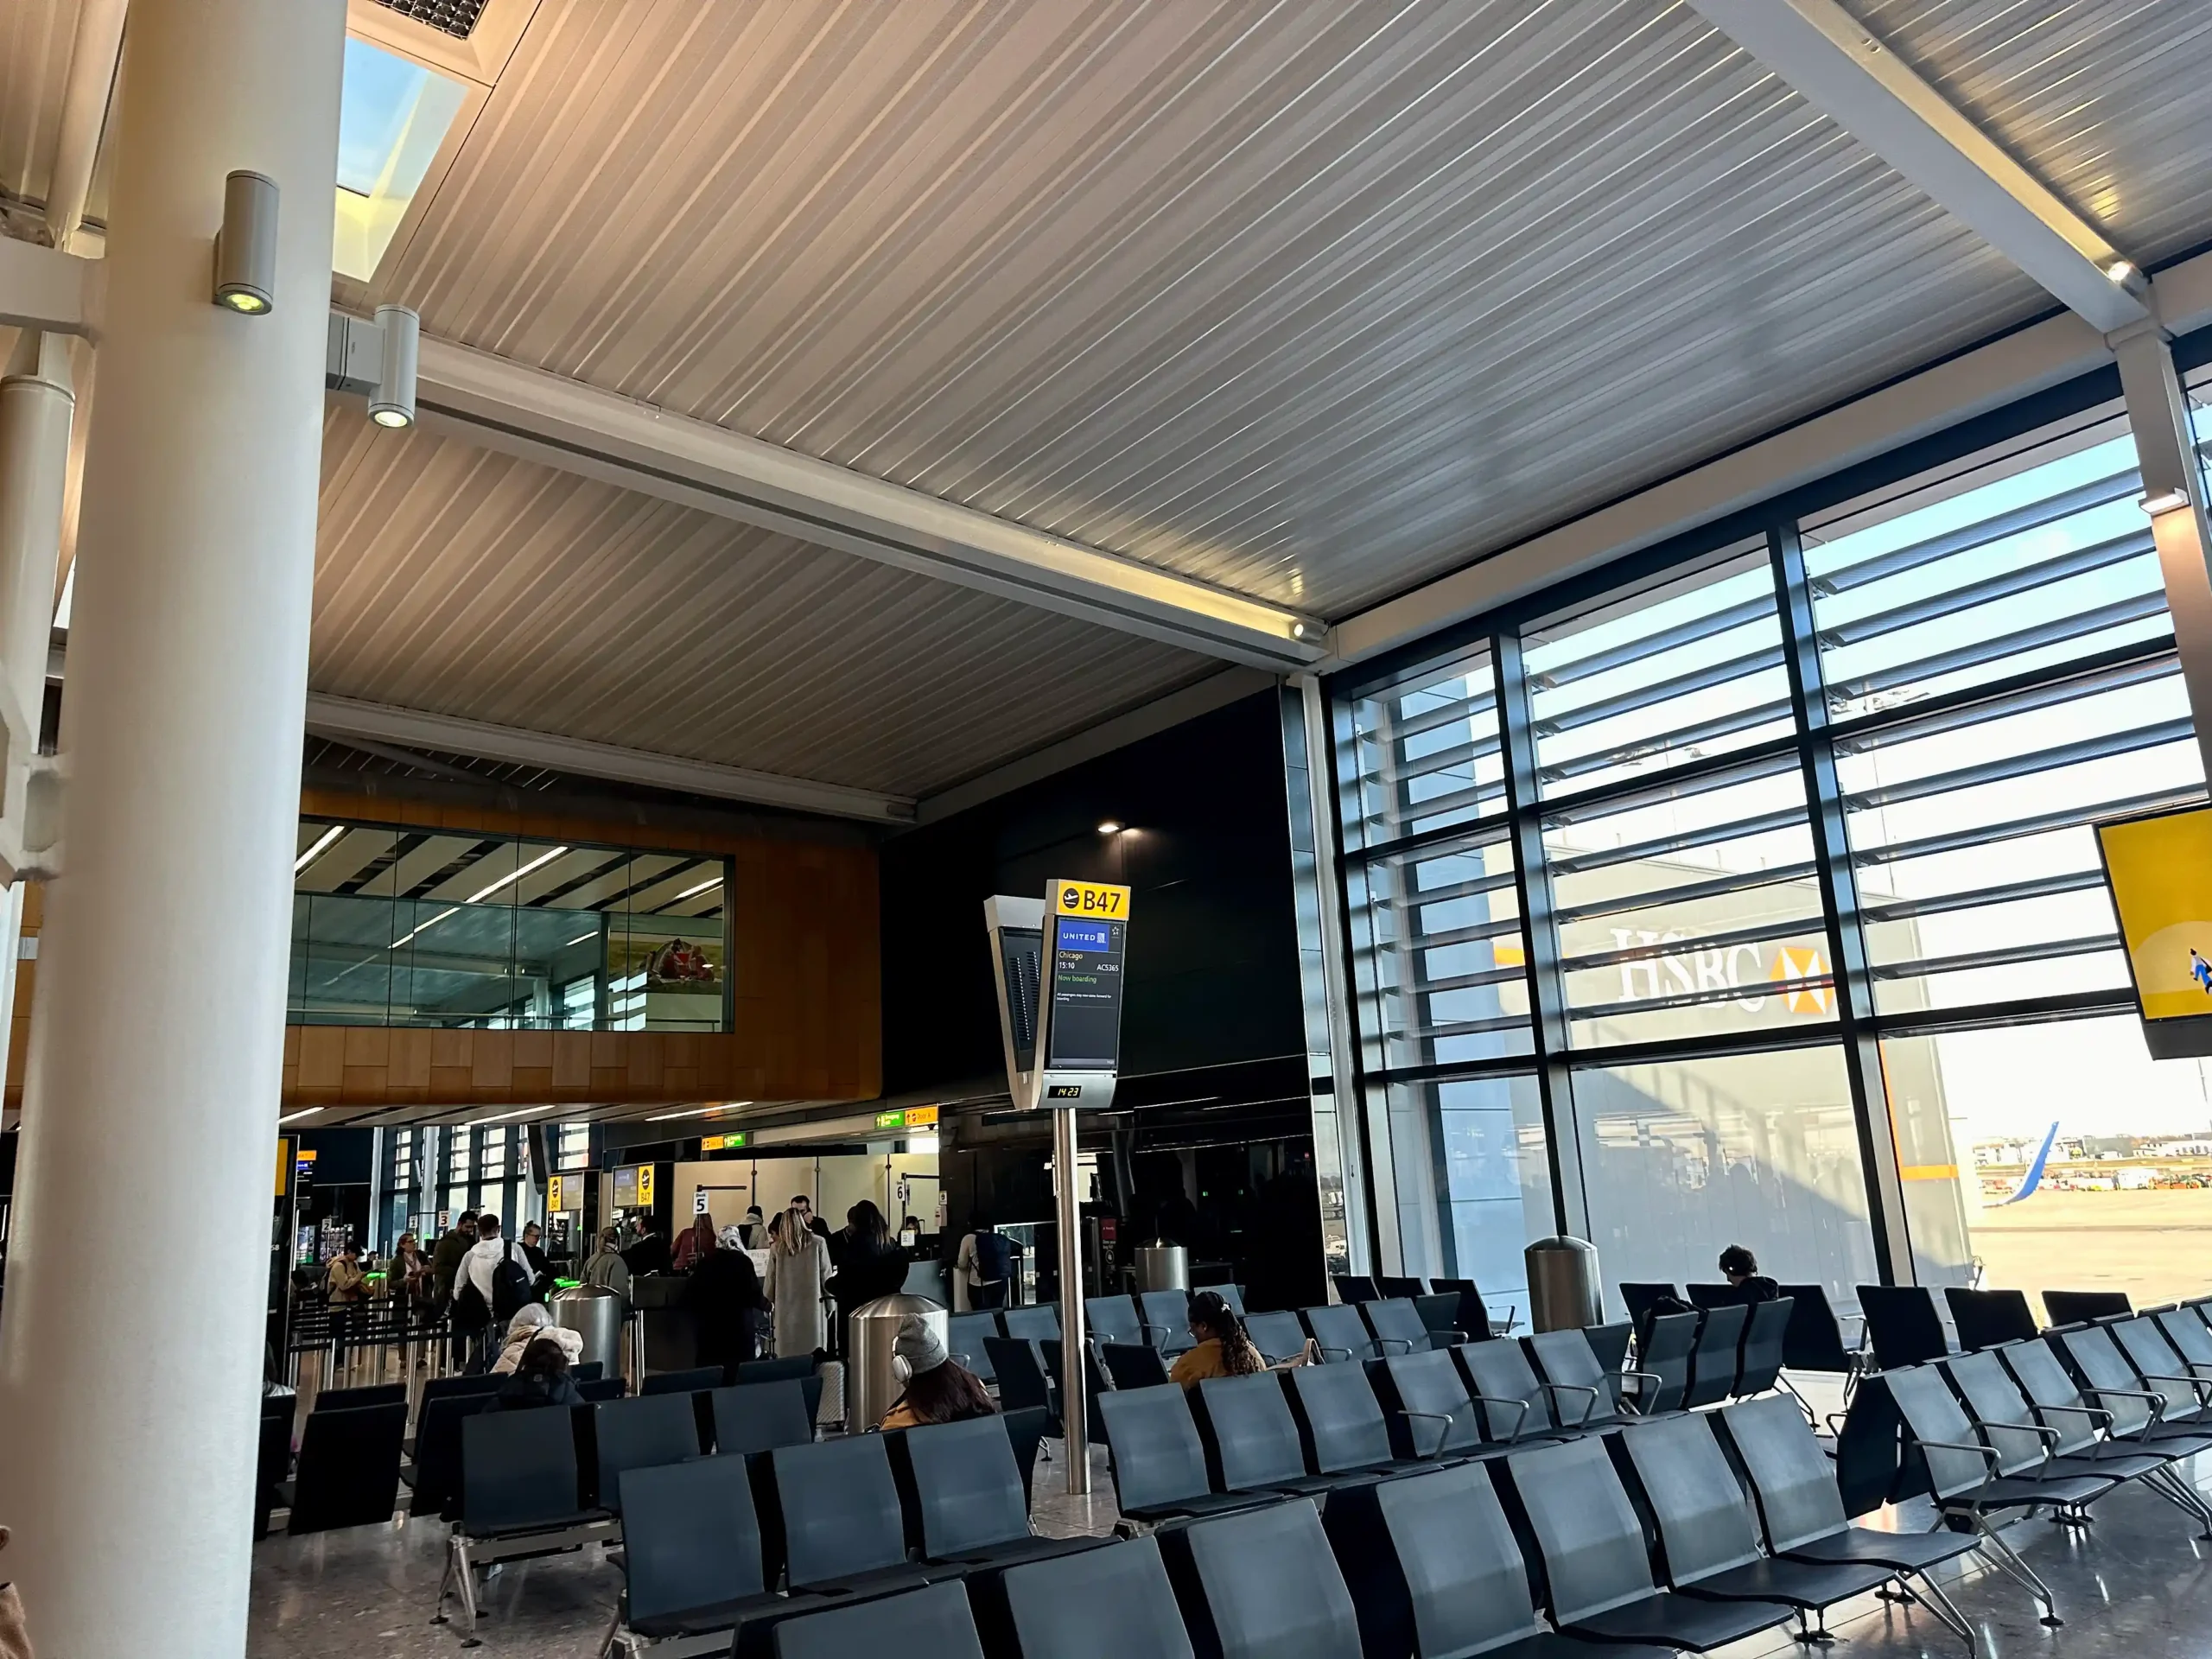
pixel 392 116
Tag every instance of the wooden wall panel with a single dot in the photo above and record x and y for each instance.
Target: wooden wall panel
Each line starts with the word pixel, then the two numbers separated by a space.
pixel 807 992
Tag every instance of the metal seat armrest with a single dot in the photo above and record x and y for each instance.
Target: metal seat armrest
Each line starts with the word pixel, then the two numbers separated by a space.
pixel 1521 1406
pixel 1326 1350
pixel 2047 1435
pixel 2197 1384
pixel 1988 1461
pixel 1444 1435
pixel 1656 1381
pixel 1405 1343
pixel 2155 1401
pixel 1556 1388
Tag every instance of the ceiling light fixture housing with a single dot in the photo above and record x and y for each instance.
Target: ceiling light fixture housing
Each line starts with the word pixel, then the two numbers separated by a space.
pixel 2163 501
pixel 392 403
pixel 1110 827
pixel 246 248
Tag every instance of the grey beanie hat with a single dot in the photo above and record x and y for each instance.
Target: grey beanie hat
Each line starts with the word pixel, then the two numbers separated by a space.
pixel 918 1346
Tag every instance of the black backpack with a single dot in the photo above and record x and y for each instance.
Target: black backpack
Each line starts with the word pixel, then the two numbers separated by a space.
pixel 511 1286
pixel 993 1257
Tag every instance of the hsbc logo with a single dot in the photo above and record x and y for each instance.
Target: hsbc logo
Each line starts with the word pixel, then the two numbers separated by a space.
pixel 1797 975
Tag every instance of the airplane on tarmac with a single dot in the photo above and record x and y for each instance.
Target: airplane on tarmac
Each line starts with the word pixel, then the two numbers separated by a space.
pixel 2033 1179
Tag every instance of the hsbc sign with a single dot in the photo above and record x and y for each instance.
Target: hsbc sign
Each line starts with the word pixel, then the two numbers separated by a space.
pixel 1797 975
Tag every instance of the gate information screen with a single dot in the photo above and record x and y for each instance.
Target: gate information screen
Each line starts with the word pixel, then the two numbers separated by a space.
pixel 1088 937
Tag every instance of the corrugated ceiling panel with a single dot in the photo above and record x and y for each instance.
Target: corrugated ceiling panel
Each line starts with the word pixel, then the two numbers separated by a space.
pixel 35 36
pixel 466 583
pixel 2104 100
pixel 1310 301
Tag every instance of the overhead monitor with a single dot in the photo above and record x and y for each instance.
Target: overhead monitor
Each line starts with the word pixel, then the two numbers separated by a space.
pixel 2159 867
pixel 1090 934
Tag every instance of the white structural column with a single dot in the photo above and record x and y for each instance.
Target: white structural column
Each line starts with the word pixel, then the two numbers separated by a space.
pixel 2173 494
pixel 128 1397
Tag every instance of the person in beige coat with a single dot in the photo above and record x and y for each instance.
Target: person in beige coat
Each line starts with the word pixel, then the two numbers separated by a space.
pixel 799 1271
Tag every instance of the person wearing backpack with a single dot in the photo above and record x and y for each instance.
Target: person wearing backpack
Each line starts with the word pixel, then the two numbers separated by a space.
pixel 495 1278
pixel 981 1268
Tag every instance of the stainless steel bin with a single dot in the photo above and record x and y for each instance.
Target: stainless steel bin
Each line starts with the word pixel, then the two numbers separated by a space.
pixel 1162 1266
pixel 1563 1287
pixel 871 1386
pixel 595 1313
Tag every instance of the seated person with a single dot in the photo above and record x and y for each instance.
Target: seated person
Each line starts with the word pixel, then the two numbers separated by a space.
pixel 1741 1269
pixel 1221 1347
pixel 542 1379
pixel 530 1322
pixel 939 1389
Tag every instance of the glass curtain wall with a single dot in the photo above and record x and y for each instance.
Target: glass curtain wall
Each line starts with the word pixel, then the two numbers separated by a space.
pixel 1674 907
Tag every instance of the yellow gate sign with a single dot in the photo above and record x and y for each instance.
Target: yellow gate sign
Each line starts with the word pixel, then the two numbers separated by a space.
pixel 1094 899
pixel 645 1186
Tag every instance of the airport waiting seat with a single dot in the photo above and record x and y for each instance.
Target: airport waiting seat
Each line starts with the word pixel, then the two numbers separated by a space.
pixel 1093 1378
pixel 376 1393
pixel 1434 1570
pixel 1021 1378
pixel 640 1434
pixel 1130 1366
pixel 1597 1569
pixel 1396 1326
pixel 699 1379
pixel 1815 1340
pixel 447 1388
pixel 1355 1287
pixel 1342 1427
pixel 1025 1430
pixel 2027 1441
pixel 760 1418
pixel 1611 1343
pixel 970 1506
pixel 1707 1534
pixel 964 1334
pixel 1573 1374
pixel 2082 1306
pixel 1641 1297
pixel 2139 1411
pixel 1246 1422
pixel 1902 1327
pixel 437 1452
pixel 1342 1333
pixel 348 1469
pixel 1114 1319
pixel 691 1554
pixel 1401 1289
pixel 1098 1602
pixel 1167 1315
pixel 1800 1507
pixel 1966 1480
pixel 519 1498
pixel 1516 1404
pixel 1984 1318
pixel 844 1530
pixel 1277 1336
pixel 600 1389
pixel 2190 1337
pixel 1759 1361
pixel 1663 1361
pixel 2162 1370
pixel 1035 1322
pixel 1717 1354
pixel 1723 1294
pixel 1233 1294
pixel 1159 1462
pixel 1474 1310
pixel 934 1622
pixel 1430 1408
pixel 1439 1316
pixel 750 1373
pixel 1263 1585
pixel 272 1464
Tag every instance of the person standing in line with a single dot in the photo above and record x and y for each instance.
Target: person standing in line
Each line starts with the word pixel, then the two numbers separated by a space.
pixel 727 1304
pixel 650 1254
pixel 799 1273
pixel 815 1224
pixel 869 1265
pixel 495 1282
pixel 756 1230
pixel 980 1269
pixel 344 1284
pixel 409 1280
pixel 445 1273
pixel 696 1244
pixel 606 1267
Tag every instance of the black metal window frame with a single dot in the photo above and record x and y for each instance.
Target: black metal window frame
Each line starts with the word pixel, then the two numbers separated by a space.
pixel 1815 742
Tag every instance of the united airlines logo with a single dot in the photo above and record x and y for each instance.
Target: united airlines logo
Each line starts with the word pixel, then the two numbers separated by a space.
pixel 1797 975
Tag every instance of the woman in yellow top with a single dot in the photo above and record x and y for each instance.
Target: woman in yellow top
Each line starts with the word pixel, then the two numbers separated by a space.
pixel 1223 1349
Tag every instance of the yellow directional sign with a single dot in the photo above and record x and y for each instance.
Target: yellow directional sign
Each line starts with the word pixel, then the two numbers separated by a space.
pixel 1096 899
pixel 645 1186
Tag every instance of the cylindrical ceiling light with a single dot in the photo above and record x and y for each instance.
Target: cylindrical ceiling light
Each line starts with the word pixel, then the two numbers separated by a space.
pixel 393 402
pixel 246 248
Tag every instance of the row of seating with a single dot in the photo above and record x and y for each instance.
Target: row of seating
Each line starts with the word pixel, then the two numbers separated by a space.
pixel 1160 1319
pixel 715 1543
pixel 2058 1420
pixel 1361 1287
pixel 1505 1559
pixel 353 1453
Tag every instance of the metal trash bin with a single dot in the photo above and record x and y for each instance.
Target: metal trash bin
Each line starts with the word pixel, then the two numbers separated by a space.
pixel 871 1386
pixel 595 1313
pixel 1563 1288
pixel 1162 1266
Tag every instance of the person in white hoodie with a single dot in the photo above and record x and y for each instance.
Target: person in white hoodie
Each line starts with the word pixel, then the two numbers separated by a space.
pixel 480 1266
pixel 527 1327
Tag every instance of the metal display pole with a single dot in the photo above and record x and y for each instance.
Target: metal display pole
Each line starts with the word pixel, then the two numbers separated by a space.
pixel 1074 1403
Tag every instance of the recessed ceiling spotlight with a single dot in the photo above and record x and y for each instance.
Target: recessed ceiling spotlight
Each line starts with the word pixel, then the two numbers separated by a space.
pixel 1110 827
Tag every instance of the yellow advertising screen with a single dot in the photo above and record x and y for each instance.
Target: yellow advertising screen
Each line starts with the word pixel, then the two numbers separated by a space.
pixel 2161 873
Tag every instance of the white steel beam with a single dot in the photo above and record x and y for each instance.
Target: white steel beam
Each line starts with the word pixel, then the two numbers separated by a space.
pixel 2173 496
pixel 348 717
pixel 45 288
pixel 1839 68
pixel 1974 383
pixel 561 423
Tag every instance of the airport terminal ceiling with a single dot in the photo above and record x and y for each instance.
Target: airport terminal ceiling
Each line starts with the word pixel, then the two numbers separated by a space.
pixel 1308 303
